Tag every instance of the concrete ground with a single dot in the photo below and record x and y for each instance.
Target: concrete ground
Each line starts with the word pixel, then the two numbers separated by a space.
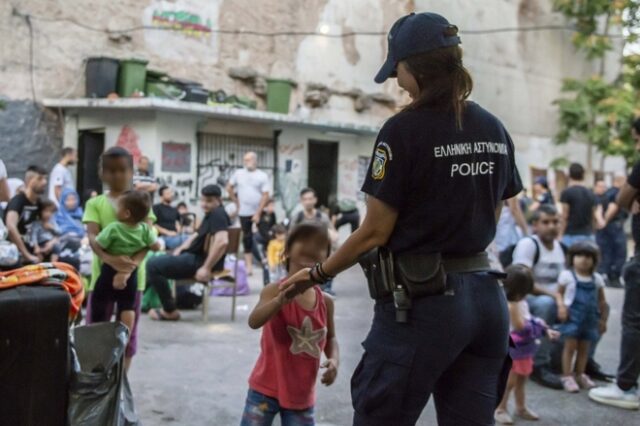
pixel 195 374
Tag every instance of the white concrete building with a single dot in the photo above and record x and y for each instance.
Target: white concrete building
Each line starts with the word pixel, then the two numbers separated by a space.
pixel 192 145
pixel 518 71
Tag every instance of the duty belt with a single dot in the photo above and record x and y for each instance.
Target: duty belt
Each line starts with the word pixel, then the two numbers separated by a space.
pixel 478 262
pixel 408 276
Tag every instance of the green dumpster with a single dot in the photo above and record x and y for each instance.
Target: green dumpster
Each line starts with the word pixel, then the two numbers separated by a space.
pixel 132 77
pixel 278 95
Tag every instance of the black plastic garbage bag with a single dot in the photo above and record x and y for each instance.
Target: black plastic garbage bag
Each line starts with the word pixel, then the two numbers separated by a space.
pixel 99 393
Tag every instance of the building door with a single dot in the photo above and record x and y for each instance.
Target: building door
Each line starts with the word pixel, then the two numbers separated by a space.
pixel 323 171
pixel 90 147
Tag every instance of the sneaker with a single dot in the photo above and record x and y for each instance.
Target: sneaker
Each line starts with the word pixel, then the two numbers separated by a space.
pixel 569 384
pixel 616 397
pixel 502 417
pixel 585 382
pixel 545 377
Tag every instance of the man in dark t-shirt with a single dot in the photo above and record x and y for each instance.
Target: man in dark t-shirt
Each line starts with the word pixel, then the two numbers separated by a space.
pixel 23 210
pixel 200 255
pixel 168 223
pixel 579 208
pixel 611 239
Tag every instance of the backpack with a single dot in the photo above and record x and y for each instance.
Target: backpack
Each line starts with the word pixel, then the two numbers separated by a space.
pixel 301 218
pixel 506 256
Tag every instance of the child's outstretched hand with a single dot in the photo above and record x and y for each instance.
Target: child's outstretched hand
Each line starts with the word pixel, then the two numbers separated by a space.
pixel 553 334
pixel 329 376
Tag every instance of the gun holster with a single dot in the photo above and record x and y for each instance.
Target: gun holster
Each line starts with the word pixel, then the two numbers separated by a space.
pixel 420 274
pixel 371 263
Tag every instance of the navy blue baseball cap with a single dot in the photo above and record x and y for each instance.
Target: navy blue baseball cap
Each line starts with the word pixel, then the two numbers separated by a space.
pixel 413 34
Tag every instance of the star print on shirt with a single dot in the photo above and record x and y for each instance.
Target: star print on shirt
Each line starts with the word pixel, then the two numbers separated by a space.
pixel 306 339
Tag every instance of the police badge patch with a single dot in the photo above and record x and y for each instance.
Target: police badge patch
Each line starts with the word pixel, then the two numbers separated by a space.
pixel 380 158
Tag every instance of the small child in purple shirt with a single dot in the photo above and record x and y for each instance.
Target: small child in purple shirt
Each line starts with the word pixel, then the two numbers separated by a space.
pixel 526 330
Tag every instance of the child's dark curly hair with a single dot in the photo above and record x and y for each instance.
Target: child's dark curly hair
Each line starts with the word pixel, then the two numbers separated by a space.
pixel 586 248
pixel 519 282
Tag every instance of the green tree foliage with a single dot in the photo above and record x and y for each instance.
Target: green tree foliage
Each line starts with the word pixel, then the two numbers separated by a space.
pixel 597 111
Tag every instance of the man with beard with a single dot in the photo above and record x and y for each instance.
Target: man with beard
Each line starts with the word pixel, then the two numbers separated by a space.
pixel 61 177
pixel 23 209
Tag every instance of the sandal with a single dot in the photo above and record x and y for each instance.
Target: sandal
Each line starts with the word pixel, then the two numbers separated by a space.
pixel 527 414
pixel 159 315
pixel 503 417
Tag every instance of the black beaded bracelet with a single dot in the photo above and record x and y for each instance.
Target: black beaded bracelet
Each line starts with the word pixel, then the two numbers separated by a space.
pixel 324 274
pixel 315 275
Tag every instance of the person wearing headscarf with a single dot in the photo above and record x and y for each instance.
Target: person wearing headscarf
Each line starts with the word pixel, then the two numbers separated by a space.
pixel 69 215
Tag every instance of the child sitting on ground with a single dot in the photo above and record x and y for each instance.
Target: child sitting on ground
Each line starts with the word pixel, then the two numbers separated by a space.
pixel 44 233
pixel 583 310
pixel 525 331
pixel 127 236
pixel 295 333
pixel 275 249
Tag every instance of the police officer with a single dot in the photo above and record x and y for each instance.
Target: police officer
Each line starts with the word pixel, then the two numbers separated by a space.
pixel 440 171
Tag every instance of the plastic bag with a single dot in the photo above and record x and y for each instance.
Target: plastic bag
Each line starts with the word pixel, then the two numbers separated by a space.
pixel 9 254
pixel 99 393
pixel 242 282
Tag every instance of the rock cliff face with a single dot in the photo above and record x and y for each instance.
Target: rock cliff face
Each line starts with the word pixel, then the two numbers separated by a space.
pixel 29 135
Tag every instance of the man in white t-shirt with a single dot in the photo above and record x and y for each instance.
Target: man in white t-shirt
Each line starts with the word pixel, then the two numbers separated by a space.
pixel 249 189
pixel 544 255
pixel 60 177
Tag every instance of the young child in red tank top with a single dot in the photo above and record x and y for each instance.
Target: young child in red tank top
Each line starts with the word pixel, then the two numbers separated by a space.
pixel 294 335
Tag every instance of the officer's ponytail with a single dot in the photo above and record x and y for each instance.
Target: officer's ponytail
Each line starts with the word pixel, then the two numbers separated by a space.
pixel 443 80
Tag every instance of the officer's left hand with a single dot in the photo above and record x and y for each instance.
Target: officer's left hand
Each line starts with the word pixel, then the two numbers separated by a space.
pixel 297 283
pixel 329 376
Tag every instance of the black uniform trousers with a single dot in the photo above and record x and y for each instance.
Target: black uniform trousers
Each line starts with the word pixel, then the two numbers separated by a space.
pixel 454 347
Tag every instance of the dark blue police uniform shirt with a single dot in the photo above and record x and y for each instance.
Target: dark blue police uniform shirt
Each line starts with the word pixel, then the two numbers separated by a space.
pixel 445 183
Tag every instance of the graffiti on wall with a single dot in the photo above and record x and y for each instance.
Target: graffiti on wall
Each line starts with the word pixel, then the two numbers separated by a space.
pixel 128 139
pixel 219 172
pixel 290 183
pixel 182 188
pixel 363 169
pixel 182 29
pixel 185 22
pixel 347 183
pixel 290 150
pixel 176 157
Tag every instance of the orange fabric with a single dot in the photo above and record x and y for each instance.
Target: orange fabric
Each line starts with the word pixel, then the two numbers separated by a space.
pixel 56 273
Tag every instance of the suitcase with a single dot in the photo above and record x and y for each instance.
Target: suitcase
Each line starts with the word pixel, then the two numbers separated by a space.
pixel 34 356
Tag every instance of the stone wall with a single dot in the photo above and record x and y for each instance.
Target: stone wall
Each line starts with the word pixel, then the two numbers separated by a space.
pixel 29 134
